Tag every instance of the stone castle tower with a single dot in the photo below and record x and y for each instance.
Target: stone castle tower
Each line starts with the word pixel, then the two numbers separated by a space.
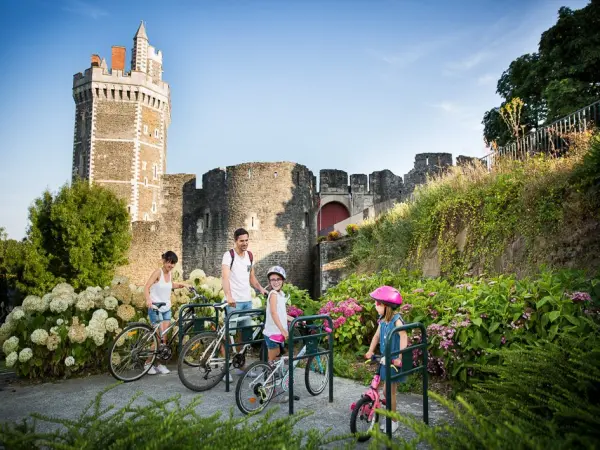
pixel 121 122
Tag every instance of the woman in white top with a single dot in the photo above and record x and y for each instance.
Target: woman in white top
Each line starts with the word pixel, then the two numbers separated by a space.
pixel 276 326
pixel 158 290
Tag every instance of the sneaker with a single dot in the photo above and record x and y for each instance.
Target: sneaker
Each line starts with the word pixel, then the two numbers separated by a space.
pixel 237 372
pixel 152 370
pixel 162 369
pixel 230 379
pixel 253 373
pixel 395 426
pixel 285 398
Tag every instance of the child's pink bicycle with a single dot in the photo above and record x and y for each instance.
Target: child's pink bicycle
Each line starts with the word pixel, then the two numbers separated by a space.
pixel 364 418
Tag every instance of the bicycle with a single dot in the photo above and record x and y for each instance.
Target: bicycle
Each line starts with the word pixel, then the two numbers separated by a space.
pixel 363 411
pixel 136 348
pixel 256 386
pixel 204 354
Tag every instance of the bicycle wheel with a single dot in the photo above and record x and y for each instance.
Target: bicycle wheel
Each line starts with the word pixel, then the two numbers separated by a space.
pixel 186 338
pixel 316 374
pixel 133 352
pixel 360 425
pixel 201 365
pixel 255 388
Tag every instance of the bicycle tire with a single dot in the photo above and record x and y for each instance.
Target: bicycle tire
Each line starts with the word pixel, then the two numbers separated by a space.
pixel 321 360
pixel 185 330
pixel 361 436
pixel 210 337
pixel 122 335
pixel 254 367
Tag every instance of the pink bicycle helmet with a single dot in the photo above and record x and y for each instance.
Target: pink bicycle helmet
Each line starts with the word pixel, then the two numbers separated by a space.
pixel 387 295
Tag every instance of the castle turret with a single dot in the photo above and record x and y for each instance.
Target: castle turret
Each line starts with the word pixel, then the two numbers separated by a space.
pixel 121 121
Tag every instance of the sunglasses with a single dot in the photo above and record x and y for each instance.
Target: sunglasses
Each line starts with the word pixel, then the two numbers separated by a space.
pixel 379 303
pixel 274 280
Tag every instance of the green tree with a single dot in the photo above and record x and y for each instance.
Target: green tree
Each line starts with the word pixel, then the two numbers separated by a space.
pixel 563 76
pixel 12 257
pixel 79 236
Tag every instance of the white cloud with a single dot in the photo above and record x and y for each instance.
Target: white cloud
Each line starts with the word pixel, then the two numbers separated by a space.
pixel 448 107
pixel 467 63
pixel 486 79
pixel 84 9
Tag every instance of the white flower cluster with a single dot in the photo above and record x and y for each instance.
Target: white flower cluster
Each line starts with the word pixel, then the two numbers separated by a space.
pixel 59 321
pixel 25 355
pixel 62 301
pixel 39 336
pixel 17 313
pixel 69 361
pixel 86 300
pixel 197 276
pixel 5 330
pixel 10 345
pixel 213 287
pixel 96 329
pixel 111 303
pixel 34 304
pixel 63 288
pixel 11 359
pixel 111 324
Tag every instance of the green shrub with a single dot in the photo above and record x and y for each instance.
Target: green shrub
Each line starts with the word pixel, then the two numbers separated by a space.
pixel 351 229
pixel 467 320
pixel 79 236
pixel 333 235
pixel 161 424
pixel 301 299
pixel 543 396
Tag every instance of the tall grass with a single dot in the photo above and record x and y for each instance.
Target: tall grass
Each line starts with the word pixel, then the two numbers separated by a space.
pixel 525 200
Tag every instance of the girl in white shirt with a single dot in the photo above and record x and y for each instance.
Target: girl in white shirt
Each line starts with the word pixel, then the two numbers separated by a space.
pixel 276 326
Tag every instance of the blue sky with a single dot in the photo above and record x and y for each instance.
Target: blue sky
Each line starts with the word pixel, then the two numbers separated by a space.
pixel 353 85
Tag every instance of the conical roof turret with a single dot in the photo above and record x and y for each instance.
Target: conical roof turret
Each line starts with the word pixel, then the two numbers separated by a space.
pixel 141 32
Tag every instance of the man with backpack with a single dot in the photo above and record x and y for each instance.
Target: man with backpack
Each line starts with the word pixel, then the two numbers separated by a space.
pixel 237 276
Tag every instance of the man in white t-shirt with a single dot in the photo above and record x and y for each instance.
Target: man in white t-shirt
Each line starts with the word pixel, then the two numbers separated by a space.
pixel 237 276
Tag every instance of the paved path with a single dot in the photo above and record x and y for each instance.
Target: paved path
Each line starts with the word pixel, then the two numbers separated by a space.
pixel 66 399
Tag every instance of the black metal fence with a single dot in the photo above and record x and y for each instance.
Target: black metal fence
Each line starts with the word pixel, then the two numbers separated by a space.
pixel 553 139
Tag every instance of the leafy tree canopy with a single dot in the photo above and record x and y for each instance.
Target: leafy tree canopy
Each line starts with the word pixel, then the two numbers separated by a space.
pixel 79 236
pixel 563 76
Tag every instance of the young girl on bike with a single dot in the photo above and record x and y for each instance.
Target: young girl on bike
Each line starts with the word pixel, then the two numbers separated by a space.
pixel 276 326
pixel 158 290
pixel 387 299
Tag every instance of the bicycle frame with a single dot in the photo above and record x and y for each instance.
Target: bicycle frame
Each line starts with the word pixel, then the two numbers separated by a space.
pixel 219 342
pixel 373 393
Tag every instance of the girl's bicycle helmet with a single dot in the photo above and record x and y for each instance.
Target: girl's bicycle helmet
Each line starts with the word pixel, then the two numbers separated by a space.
pixel 387 295
pixel 278 270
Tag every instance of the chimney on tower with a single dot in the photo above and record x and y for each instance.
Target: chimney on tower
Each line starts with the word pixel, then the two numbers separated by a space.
pixel 95 60
pixel 118 57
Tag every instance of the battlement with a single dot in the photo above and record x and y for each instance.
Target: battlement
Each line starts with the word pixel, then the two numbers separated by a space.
pixel 103 78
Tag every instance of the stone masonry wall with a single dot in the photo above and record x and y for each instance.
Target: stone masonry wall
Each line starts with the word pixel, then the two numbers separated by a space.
pixel 274 202
pixel 205 224
pixel 151 239
pixel 115 120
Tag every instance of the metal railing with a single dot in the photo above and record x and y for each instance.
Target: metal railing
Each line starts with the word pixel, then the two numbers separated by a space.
pixel 552 139
pixel 313 350
pixel 407 361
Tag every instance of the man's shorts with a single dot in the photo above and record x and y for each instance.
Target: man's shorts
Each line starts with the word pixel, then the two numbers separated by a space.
pixel 242 320
pixel 157 316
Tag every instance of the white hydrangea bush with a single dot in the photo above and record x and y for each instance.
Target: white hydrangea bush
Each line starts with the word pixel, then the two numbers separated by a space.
pixel 65 331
